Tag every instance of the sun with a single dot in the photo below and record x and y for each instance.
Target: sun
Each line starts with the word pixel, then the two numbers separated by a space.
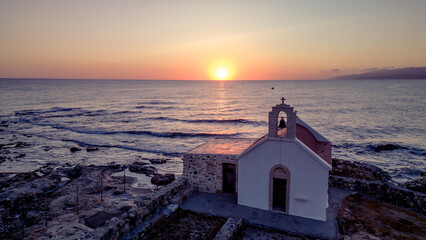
pixel 221 70
pixel 222 73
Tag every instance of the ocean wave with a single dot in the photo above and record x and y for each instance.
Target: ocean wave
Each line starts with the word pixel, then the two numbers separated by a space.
pixel 96 113
pixel 123 112
pixel 147 107
pixel 179 134
pixel 78 112
pixel 64 115
pixel 155 107
pixel 148 133
pixel 406 171
pixel 43 111
pixel 158 103
pixel 417 151
pixel 209 120
pixel 132 148
pixel 369 148
pixel 346 145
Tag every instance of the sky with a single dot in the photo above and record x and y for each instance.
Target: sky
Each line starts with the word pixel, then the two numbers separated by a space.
pixel 203 40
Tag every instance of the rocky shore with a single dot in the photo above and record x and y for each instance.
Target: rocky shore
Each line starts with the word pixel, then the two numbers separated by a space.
pixel 56 202
pixel 115 201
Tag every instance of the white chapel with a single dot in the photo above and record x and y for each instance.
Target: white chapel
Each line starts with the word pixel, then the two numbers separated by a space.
pixel 286 170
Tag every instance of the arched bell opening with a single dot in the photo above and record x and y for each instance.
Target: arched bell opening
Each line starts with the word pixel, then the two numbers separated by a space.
pixel 286 129
pixel 282 124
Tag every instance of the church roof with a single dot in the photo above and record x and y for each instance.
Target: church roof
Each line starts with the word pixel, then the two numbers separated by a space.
pixel 224 146
pixel 317 135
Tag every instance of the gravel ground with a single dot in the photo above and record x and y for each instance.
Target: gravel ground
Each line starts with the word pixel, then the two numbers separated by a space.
pixel 257 233
pixel 360 218
pixel 187 225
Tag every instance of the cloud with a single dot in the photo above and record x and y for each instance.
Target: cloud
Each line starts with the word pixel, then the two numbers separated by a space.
pixel 369 69
pixel 334 70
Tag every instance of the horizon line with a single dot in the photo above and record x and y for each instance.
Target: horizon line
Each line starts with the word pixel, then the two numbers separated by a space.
pixel 137 79
pixel 212 80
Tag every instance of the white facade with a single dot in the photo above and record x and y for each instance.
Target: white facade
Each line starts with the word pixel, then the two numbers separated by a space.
pixel 308 177
pixel 283 174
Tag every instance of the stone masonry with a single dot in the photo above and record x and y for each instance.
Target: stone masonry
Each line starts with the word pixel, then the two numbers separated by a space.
pixel 205 170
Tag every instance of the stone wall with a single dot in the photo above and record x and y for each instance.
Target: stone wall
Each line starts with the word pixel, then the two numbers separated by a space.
pixel 383 191
pixel 229 229
pixel 204 171
pixel 140 216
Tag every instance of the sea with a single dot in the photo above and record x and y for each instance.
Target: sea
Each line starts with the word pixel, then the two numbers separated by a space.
pixel 131 120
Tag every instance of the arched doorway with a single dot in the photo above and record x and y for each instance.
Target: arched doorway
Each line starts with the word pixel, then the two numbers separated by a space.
pixel 279 186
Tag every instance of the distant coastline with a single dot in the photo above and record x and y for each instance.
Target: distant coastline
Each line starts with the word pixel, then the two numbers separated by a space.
pixel 400 73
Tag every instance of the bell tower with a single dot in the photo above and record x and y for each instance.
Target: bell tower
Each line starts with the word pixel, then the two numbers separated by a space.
pixel 290 128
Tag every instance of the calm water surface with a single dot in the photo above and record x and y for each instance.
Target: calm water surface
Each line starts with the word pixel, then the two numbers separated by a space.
pixel 129 120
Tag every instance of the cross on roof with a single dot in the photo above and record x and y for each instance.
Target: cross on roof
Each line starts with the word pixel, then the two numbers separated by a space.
pixel 282 99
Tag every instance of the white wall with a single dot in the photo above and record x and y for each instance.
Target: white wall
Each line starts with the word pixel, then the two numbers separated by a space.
pixel 308 177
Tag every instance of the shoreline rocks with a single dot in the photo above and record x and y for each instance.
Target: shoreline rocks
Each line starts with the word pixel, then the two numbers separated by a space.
pixel 418 184
pixel 386 147
pixel 91 149
pixel 358 170
pixel 140 167
pixel 162 179
pixel 158 161
pixel 375 183
pixel 76 200
pixel 44 203
pixel 74 149
pixel 361 218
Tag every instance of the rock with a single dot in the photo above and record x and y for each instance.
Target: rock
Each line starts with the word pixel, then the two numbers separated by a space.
pixel 160 179
pixel 358 170
pixel 75 149
pixel 386 147
pixel 113 166
pixel 46 169
pixel 44 185
pixel 91 149
pixel 418 184
pixel 98 219
pixel 158 161
pixel 22 144
pixel 118 192
pixel 4 124
pixel 139 167
pixel 24 177
pixel 67 231
pixel 46 148
pixel 75 172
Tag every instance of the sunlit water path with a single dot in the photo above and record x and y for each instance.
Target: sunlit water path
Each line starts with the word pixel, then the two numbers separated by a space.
pixel 130 120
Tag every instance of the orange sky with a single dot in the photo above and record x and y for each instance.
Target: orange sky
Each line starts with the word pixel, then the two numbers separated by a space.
pixel 184 39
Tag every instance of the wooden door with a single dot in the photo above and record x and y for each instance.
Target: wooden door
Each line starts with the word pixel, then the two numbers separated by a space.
pixel 279 194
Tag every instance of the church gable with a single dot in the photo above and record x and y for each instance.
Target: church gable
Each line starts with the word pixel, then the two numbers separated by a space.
pixel 305 181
